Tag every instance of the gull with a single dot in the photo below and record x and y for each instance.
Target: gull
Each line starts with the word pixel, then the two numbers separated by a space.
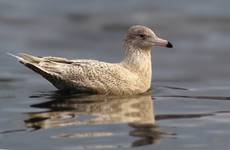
pixel 131 76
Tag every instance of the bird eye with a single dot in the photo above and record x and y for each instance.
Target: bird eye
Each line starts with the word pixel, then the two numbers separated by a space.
pixel 142 35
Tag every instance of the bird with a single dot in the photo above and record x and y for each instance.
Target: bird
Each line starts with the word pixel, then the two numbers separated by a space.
pixel 131 76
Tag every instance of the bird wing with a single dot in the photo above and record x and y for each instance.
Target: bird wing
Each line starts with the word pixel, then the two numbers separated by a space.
pixel 82 75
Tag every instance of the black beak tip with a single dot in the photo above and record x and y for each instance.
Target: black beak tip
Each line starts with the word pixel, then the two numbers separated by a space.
pixel 169 45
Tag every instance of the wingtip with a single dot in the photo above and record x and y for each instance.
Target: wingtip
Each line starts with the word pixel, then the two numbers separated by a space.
pixel 15 56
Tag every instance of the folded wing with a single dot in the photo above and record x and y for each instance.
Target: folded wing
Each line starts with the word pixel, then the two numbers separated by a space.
pixel 79 75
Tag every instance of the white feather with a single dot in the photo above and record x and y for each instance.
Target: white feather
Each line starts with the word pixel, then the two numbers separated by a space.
pixel 15 56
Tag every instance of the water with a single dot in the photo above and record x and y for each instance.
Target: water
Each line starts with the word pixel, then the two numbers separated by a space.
pixel 187 108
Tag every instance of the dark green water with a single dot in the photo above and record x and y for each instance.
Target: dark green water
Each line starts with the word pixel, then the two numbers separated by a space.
pixel 187 108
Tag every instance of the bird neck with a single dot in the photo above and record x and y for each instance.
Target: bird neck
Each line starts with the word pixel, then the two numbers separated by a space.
pixel 138 60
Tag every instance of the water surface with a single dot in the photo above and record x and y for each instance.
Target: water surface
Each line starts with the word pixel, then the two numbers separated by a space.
pixel 187 107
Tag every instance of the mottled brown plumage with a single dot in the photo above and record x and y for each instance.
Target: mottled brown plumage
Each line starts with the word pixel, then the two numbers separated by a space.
pixel 129 77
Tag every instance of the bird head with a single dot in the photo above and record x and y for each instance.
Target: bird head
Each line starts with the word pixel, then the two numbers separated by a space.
pixel 144 38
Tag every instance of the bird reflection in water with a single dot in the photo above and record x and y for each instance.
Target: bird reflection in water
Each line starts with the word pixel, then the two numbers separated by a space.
pixel 77 110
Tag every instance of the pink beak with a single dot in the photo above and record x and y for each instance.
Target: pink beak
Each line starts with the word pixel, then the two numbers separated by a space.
pixel 163 43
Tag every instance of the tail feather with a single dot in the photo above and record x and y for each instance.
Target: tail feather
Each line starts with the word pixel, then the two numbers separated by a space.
pixel 26 58
pixel 30 58
pixel 15 56
pixel 32 62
